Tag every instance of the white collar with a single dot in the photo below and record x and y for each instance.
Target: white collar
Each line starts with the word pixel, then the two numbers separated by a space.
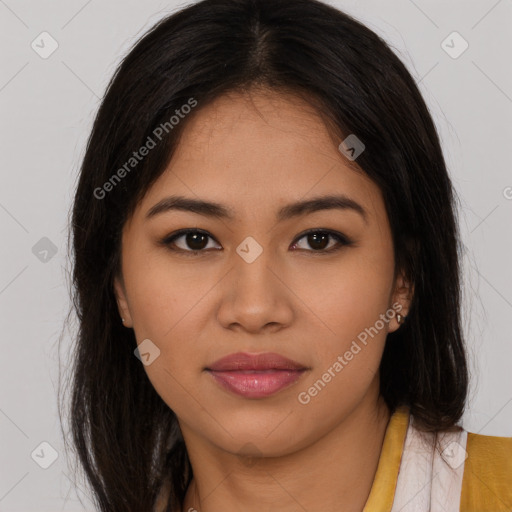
pixel 431 471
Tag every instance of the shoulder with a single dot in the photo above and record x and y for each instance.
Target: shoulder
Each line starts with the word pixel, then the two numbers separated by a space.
pixel 487 479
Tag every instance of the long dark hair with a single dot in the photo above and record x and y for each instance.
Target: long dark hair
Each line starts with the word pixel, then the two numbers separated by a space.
pixel 127 439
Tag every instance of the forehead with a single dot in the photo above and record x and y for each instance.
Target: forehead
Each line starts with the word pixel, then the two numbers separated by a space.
pixel 254 150
pixel 258 122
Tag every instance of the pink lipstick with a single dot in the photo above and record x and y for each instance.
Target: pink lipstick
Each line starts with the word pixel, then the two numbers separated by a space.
pixel 255 375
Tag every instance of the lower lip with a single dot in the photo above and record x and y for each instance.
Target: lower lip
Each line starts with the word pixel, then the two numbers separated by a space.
pixel 256 384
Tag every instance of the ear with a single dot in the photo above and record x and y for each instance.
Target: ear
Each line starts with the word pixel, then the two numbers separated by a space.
pixel 122 302
pixel 401 299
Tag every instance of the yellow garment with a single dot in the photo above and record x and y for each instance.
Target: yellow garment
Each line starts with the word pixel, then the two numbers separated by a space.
pixel 487 479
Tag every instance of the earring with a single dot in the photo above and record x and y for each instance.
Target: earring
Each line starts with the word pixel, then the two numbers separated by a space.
pixel 122 319
pixel 400 318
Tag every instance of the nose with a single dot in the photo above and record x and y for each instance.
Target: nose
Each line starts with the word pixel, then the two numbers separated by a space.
pixel 255 296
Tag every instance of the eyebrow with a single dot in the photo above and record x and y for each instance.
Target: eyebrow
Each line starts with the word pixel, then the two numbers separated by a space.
pixel 216 210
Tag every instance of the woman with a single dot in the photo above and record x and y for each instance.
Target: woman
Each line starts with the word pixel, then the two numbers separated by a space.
pixel 266 274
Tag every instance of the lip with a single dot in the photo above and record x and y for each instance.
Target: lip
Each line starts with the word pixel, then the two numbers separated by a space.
pixel 255 375
pixel 263 361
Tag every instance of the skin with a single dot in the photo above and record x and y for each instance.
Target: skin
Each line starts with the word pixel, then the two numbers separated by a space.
pixel 256 154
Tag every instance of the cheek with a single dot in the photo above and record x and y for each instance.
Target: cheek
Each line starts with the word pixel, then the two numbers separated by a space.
pixel 354 290
pixel 164 295
pixel 168 310
pixel 167 305
pixel 346 303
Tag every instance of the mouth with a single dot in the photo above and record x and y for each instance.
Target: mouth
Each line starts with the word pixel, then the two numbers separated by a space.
pixel 256 383
pixel 255 375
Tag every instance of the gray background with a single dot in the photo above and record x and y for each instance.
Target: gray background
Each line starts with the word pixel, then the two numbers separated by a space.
pixel 47 109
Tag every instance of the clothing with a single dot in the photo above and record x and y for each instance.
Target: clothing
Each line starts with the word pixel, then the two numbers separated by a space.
pixel 440 472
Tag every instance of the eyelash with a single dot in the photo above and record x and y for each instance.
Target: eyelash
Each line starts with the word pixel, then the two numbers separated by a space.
pixel 341 239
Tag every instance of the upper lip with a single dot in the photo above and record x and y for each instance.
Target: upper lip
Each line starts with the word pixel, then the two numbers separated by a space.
pixel 263 361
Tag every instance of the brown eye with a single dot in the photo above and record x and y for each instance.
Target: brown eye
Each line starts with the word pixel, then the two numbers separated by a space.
pixel 192 241
pixel 196 241
pixel 319 240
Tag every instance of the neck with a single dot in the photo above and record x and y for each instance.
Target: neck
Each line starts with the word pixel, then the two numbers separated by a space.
pixel 335 472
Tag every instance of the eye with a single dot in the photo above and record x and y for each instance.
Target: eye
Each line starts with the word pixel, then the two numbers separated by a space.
pixel 319 240
pixel 194 241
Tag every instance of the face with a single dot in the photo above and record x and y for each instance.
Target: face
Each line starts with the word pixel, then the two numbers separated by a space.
pixel 255 281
